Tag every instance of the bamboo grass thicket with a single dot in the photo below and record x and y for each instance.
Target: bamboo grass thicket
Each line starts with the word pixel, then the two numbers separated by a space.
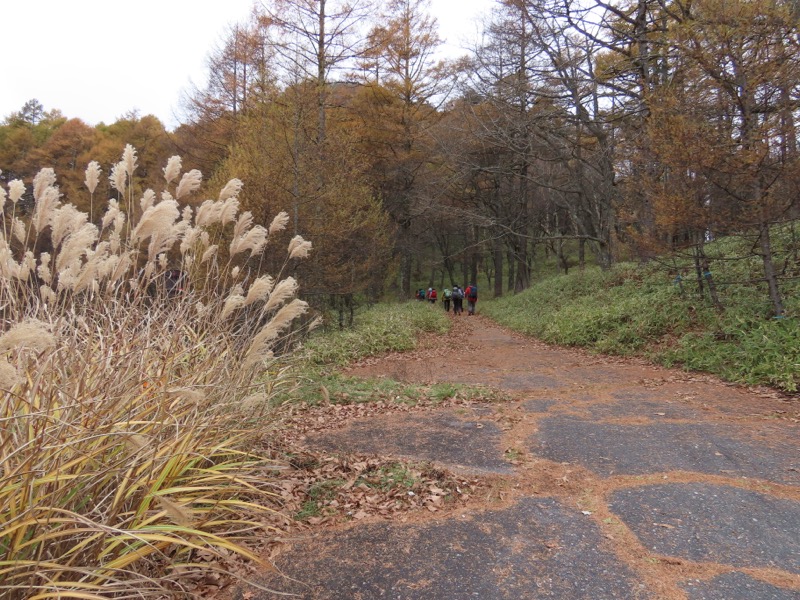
pixel 132 404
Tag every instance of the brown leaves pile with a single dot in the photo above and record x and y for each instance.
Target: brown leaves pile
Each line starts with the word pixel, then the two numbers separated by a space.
pixel 353 487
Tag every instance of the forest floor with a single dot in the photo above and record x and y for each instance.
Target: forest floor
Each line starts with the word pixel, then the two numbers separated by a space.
pixel 587 477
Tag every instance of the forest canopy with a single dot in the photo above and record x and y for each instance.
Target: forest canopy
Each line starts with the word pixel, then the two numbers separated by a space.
pixel 575 132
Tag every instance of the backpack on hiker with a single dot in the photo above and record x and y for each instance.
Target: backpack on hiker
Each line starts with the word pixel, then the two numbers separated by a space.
pixel 458 293
pixel 447 294
pixel 472 293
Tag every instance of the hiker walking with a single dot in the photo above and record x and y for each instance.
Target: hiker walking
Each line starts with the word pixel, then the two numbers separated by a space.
pixel 472 297
pixel 458 300
pixel 446 295
pixel 432 295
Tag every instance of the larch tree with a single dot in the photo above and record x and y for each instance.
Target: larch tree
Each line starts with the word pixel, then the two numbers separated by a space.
pixel 403 82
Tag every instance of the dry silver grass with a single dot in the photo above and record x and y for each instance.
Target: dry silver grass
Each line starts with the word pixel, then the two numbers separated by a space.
pixel 229 210
pixel 209 253
pixel 18 229
pixel 189 183
pixel 147 200
pixel 31 334
pixel 243 223
pixel 231 189
pixel 209 213
pixel 66 220
pixel 44 179
pixel 16 189
pixel 111 213
pixel 43 270
pixel 92 176
pixel 118 177
pixel 284 290
pixel 254 240
pixel 173 169
pixel 156 220
pixel 46 204
pixel 76 246
pixel 142 389
pixel 259 290
pixel 279 222
pixel 260 348
pixel 8 375
pixel 232 304
pixel 299 248
pixel 129 160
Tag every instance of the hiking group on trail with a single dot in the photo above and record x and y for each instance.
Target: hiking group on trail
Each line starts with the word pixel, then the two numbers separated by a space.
pixel 456 295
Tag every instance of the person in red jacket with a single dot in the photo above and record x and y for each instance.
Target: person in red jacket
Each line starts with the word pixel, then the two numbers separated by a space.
pixel 432 296
pixel 471 294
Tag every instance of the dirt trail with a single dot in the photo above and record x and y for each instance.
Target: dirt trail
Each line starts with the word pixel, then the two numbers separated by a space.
pixel 609 478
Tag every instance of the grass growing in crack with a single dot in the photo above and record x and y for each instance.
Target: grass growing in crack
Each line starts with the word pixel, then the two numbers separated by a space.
pixel 319 494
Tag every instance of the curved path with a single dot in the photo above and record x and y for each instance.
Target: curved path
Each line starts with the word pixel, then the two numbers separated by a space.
pixel 611 479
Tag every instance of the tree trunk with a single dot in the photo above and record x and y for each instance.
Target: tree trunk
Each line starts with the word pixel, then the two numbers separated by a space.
pixel 498 266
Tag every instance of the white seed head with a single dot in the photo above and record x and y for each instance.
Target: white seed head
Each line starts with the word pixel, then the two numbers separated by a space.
pixel 43 180
pixel 92 173
pixel 189 183
pixel 231 189
pixel 129 160
pixel 279 222
pixel 16 189
pixel 173 168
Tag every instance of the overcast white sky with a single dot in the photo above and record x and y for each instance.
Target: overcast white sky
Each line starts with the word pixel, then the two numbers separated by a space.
pixel 98 59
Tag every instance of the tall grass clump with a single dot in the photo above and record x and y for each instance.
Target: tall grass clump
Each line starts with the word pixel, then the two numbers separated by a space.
pixel 135 362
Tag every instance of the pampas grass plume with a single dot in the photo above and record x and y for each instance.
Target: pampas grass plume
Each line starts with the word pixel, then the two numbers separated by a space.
pixel 118 177
pixel 210 252
pixel 66 220
pixel 156 219
pixel 173 169
pixel 92 173
pixel 44 179
pixel 16 189
pixel 299 248
pixel 229 210
pixel 31 334
pixel 189 183
pixel 18 229
pixel 44 268
pixel 46 204
pixel 259 290
pixel 254 240
pixel 259 348
pixel 8 376
pixel 231 189
pixel 232 303
pixel 147 200
pixel 75 246
pixel 243 223
pixel 282 292
pixel 129 160
pixel 279 222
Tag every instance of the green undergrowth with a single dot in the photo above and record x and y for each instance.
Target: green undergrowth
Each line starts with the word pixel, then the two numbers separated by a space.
pixel 380 329
pixel 641 310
